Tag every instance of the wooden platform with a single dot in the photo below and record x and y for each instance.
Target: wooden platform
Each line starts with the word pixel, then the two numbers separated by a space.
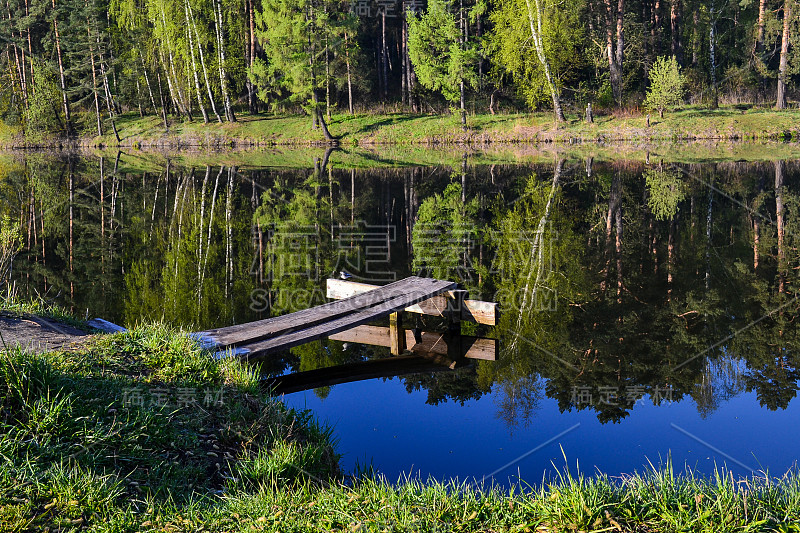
pixel 263 337
pixel 469 311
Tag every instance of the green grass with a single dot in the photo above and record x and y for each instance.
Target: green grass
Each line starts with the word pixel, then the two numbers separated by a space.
pixel 372 129
pixel 140 425
pixel 690 123
pixel 11 304
pixel 87 444
pixel 399 156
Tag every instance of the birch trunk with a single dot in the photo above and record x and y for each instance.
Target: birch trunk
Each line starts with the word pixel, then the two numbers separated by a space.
pixel 536 35
pixel 223 78
pixel 203 66
pixel 349 80
pixel 194 64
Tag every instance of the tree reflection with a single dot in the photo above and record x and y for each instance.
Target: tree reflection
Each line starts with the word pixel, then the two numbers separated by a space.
pixel 619 282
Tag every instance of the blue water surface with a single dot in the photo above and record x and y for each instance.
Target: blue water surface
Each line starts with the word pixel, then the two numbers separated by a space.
pixel 379 423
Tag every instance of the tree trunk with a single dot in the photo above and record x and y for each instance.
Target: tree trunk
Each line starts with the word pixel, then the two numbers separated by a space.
pixel 614 66
pixel 203 66
pixel 147 82
pixel 695 36
pixel 223 77
pixel 71 223
pixel 252 101
pixel 194 64
pixel 655 28
pixel 784 60
pixel 675 29
pixel 327 80
pixel 462 44
pixel 163 105
pixel 536 34
pixel 109 99
pixel 30 51
pixel 384 60
pixel 403 77
pixel 779 168
pixel 70 131
pixel 324 126
pixel 94 82
pixel 349 80
pixel 758 46
pixel 712 54
pixel 139 97
pixel 463 110
pixel 620 36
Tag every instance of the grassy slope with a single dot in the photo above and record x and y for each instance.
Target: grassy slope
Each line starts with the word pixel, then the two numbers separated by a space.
pixel 687 124
pixel 74 456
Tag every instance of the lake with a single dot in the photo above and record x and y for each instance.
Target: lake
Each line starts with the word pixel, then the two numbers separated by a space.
pixel 648 296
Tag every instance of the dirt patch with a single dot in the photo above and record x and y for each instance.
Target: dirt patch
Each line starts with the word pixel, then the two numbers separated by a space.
pixel 38 334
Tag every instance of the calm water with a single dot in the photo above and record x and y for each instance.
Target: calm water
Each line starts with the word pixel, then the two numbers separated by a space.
pixel 648 309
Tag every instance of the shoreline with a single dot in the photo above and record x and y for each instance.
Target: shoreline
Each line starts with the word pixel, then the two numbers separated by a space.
pixel 730 124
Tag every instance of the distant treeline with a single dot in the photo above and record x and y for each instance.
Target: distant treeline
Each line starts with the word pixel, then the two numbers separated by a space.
pixel 72 66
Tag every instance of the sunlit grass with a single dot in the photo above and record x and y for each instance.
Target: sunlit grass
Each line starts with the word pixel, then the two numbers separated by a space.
pixel 12 304
pixel 729 123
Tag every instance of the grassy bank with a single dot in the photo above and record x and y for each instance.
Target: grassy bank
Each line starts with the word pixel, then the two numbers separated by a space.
pixel 144 431
pixel 730 123
pixel 404 129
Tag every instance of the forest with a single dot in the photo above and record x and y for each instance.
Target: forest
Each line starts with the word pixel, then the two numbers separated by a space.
pixel 71 67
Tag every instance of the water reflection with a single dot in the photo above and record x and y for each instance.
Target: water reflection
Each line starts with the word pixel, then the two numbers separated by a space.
pixel 620 281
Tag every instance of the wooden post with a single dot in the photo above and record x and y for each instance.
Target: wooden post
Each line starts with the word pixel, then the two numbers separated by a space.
pixel 396 333
pixel 455 304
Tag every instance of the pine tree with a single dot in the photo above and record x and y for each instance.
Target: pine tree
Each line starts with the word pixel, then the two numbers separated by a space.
pixel 443 58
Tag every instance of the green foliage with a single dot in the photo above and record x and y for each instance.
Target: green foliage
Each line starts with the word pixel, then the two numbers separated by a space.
pixel 667 85
pixel 43 115
pixel 665 192
pixel 442 61
pixel 512 50
pixel 295 35
pixel 445 233
pixel 10 244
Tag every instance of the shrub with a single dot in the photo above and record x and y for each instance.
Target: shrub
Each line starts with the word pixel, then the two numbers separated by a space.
pixel 667 85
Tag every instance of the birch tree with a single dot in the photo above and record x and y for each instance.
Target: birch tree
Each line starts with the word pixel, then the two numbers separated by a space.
pixel 538 44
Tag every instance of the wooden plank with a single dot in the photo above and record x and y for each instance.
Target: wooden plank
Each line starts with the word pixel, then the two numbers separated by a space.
pixel 396 333
pixel 105 326
pixel 472 310
pixel 431 343
pixel 335 375
pixel 423 289
pixel 270 327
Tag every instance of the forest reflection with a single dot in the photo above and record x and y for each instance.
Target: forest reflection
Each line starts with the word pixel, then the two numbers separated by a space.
pixel 619 281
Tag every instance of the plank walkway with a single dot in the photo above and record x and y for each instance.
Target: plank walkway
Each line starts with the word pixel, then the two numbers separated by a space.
pixel 471 310
pixel 263 337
